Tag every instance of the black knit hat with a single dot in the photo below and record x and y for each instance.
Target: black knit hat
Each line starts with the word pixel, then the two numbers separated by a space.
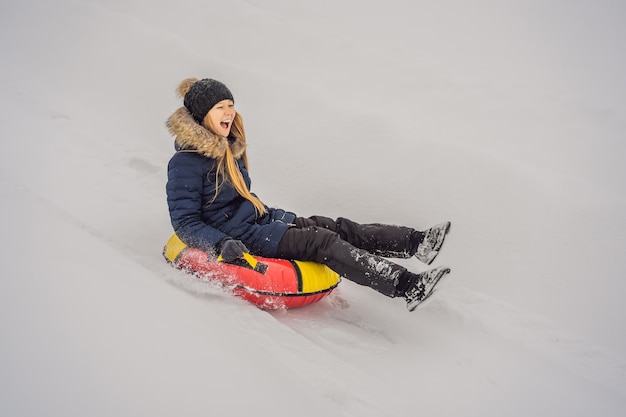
pixel 201 95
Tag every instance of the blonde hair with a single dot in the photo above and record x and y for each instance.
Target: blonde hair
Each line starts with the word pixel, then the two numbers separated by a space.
pixel 227 166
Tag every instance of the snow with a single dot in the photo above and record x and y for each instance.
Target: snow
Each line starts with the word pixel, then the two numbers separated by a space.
pixel 507 118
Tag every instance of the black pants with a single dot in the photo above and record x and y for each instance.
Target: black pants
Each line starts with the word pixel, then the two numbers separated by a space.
pixel 355 251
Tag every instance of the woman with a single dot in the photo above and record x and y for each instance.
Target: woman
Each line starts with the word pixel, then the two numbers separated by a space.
pixel 211 207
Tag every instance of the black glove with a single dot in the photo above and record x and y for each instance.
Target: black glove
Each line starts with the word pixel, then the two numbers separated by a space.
pixel 231 249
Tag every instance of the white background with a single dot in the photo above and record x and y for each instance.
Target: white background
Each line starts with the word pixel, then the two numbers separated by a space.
pixel 505 117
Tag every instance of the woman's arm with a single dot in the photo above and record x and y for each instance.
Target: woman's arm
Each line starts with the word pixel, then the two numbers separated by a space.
pixel 186 172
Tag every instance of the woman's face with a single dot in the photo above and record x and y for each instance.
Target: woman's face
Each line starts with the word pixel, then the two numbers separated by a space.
pixel 220 117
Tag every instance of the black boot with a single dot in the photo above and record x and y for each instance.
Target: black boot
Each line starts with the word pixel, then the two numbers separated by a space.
pixel 416 288
pixel 428 249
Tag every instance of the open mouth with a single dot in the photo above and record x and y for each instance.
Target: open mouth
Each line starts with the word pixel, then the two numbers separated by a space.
pixel 225 123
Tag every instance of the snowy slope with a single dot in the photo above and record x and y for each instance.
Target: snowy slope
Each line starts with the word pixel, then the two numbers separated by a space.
pixel 507 118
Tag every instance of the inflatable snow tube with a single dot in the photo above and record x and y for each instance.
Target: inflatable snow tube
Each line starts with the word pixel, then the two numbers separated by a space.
pixel 267 283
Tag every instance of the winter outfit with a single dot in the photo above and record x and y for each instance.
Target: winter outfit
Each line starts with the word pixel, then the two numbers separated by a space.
pixel 202 219
pixel 228 223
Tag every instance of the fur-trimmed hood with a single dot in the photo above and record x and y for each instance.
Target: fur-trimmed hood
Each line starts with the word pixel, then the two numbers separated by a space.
pixel 191 136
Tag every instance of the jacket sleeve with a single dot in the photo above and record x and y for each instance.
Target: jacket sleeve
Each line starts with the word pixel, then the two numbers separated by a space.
pixel 184 198
pixel 280 215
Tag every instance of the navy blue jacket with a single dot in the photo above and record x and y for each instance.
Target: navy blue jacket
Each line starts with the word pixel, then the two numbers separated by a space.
pixel 199 218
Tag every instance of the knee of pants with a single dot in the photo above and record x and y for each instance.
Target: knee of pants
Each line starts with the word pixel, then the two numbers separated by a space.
pixel 308 244
pixel 321 221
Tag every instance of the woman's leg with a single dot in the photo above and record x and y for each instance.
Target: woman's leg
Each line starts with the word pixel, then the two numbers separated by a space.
pixel 379 239
pixel 323 245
